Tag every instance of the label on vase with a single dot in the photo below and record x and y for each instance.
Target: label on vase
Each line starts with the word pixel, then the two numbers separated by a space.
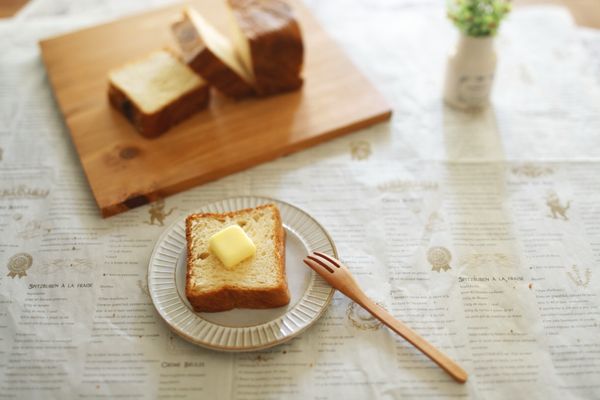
pixel 474 90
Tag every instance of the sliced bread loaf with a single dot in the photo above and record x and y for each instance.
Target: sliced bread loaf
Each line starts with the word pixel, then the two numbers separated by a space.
pixel 257 282
pixel 157 92
pixel 269 43
pixel 212 55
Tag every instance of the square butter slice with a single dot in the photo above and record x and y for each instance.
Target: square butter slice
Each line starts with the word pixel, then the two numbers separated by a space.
pixel 231 245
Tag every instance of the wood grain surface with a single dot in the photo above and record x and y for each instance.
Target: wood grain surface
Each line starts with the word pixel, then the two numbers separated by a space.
pixel 8 8
pixel 126 170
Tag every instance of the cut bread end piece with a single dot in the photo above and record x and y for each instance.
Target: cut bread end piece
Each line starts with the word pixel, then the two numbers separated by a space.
pixel 212 55
pixel 269 42
pixel 157 92
pixel 258 282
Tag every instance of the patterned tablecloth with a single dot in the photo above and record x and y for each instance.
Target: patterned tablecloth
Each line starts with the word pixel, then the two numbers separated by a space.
pixel 481 231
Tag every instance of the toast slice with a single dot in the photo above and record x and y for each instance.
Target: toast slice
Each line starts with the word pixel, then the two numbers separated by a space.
pixel 157 92
pixel 269 43
pixel 212 55
pixel 257 282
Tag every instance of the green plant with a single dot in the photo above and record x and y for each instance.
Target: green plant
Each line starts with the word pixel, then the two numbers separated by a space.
pixel 478 17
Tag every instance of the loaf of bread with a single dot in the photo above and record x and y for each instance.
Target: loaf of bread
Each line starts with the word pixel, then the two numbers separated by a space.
pixel 257 282
pixel 264 56
pixel 212 55
pixel 157 92
pixel 269 42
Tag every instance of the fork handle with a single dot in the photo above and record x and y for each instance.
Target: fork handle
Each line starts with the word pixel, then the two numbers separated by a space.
pixel 445 362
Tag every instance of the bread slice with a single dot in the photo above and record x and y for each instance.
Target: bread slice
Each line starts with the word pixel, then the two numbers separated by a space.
pixel 212 55
pixel 268 40
pixel 157 92
pixel 258 282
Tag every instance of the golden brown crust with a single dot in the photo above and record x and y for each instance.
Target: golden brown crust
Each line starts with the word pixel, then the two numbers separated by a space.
pixel 157 123
pixel 230 297
pixel 206 64
pixel 275 42
pixel 232 214
pixel 189 289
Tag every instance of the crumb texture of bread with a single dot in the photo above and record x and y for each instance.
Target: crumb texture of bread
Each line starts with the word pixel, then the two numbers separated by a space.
pixel 269 43
pixel 257 282
pixel 157 92
pixel 212 55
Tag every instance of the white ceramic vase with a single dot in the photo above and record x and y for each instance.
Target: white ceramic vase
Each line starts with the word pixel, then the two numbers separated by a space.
pixel 470 73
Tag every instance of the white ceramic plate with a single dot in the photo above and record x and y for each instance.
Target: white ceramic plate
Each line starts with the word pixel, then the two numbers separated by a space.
pixel 243 329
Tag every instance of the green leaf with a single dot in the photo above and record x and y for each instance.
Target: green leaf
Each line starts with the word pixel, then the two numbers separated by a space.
pixel 478 17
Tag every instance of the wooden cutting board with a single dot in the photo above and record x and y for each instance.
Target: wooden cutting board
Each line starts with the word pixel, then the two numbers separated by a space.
pixel 126 170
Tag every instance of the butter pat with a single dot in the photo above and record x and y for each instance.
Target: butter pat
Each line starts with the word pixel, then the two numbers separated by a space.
pixel 231 245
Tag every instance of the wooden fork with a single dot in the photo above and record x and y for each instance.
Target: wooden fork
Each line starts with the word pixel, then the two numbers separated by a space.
pixel 338 276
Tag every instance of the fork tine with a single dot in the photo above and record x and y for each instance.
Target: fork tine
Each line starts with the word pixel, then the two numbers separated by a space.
pixel 332 260
pixel 316 264
pixel 323 261
pixel 318 261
